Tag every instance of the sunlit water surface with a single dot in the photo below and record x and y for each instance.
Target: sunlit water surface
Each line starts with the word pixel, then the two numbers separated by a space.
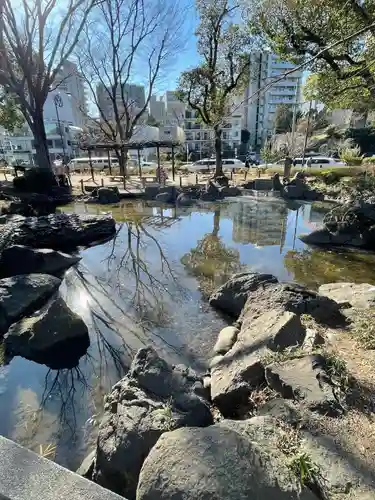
pixel 149 285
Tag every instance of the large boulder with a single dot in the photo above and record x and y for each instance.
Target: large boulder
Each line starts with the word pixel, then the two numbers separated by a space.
pixel 57 231
pixel 53 335
pixel 184 200
pixel 232 296
pixel 215 463
pixel 358 295
pixel 241 369
pixel 294 298
pixel 18 259
pixel 229 191
pixel 350 224
pixel 23 294
pixel 305 380
pixel 324 237
pixel 152 399
pixel 108 195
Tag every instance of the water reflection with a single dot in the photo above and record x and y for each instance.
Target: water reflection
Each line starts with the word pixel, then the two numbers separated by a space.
pixel 316 267
pixel 148 286
pixel 211 261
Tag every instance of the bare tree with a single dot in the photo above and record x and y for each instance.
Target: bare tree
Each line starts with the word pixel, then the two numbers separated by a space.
pixel 210 88
pixel 127 41
pixel 36 38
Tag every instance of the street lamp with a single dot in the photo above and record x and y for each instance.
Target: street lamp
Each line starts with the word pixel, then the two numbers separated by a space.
pixel 59 104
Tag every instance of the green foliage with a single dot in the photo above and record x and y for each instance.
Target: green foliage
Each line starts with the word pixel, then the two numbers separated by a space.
pixel 223 45
pixel 331 177
pixel 11 117
pixel 305 469
pixel 362 137
pixel 352 156
pixel 152 122
pixel 268 154
pixel 283 118
pixel 343 76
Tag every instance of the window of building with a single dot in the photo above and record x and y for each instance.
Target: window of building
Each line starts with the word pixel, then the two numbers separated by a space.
pixel 58 143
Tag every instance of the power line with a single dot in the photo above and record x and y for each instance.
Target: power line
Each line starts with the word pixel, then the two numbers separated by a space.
pixel 302 65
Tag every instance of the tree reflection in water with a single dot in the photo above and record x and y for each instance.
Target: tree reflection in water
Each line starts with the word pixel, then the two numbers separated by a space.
pixel 211 262
pixel 316 267
pixel 121 308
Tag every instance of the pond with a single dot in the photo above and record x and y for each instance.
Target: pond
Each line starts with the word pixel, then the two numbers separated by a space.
pixel 149 285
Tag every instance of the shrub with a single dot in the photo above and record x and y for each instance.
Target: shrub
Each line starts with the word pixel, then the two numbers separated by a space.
pixel 352 156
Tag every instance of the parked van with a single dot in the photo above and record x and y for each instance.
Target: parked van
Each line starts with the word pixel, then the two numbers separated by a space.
pixel 208 164
pixel 98 163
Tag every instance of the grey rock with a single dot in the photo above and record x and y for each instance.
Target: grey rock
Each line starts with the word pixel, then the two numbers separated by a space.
pixel 293 298
pixel 19 259
pixel 164 198
pixel 152 399
pixel 230 191
pixel 341 477
pixel 361 296
pixel 108 195
pixel 184 200
pixel 342 238
pixel 283 410
pixel 87 466
pixel 215 463
pixel 241 369
pixel 45 335
pixel 232 296
pixel 276 183
pixel 304 380
pixel 227 337
pixel 294 192
pixel 57 231
pixel 23 294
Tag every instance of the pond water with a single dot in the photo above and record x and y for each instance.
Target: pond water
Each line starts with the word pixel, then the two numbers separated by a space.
pixel 149 285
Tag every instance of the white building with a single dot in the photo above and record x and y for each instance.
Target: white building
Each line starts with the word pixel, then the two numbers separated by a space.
pixel 174 109
pixel 70 81
pixel 260 106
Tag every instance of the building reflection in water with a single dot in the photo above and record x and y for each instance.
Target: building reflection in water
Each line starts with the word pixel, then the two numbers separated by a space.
pixel 261 223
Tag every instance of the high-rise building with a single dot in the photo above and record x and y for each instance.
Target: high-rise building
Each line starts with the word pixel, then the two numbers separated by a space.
pixel 260 106
pixel 157 109
pixel 174 109
pixel 134 96
pixel 70 81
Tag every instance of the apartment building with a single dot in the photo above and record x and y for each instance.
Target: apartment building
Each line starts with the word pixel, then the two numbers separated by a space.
pixel 200 139
pixel 70 81
pixel 259 105
pixel 134 96
pixel 174 109
pixel 157 109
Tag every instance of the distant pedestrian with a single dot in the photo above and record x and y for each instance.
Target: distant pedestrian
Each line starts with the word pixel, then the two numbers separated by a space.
pixel 309 162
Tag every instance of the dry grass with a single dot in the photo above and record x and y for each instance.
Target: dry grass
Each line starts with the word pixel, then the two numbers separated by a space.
pixel 363 328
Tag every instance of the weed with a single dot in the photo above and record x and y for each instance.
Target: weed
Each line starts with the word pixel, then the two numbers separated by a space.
pixel 363 328
pixel 166 412
pixel 47 451
pixel 280 356
pixel 305 469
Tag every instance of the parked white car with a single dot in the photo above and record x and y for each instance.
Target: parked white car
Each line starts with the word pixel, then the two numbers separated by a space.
pixel 316 162
pixel 209 164
pixel 98 163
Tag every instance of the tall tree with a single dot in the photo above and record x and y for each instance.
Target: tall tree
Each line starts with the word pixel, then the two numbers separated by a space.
pixel 11 117
pixel 300 29
pixel 36 38
pixel 283 119
pixel 127 41
pixel 210 88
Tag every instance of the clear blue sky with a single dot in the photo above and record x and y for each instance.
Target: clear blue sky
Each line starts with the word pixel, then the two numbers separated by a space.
pixel 188 57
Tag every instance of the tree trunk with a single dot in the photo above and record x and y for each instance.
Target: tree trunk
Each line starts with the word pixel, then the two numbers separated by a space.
pixel 216 227
pixel 123 159
pixel 40 137
pixel 219 166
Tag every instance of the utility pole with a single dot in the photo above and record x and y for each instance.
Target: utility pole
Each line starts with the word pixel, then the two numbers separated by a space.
pixel 307 133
